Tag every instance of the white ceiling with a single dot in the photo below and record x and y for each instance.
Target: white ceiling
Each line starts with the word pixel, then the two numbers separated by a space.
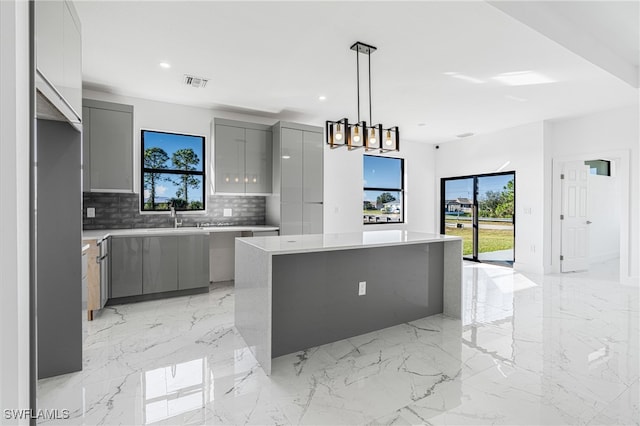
pixel 275 58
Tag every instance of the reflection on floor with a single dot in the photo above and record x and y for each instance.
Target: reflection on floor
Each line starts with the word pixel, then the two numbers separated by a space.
pixel 538 350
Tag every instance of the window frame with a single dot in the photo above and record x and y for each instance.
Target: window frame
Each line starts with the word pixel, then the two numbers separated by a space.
pixel 401 190
pixel 144 170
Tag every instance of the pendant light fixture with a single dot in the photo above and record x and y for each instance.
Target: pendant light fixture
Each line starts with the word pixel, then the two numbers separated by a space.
pixel 360 135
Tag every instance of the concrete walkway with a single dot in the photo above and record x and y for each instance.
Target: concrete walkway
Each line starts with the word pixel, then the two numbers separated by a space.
pixel 498 255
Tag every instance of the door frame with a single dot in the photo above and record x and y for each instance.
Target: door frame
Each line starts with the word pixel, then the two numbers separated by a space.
pixel 475 228
pixel 552 237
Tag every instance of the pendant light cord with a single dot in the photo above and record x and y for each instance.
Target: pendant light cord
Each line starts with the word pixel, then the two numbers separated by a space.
pixel 358 81
pixel 370 119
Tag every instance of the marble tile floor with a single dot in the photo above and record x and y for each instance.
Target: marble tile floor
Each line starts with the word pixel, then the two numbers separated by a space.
pixel 530 350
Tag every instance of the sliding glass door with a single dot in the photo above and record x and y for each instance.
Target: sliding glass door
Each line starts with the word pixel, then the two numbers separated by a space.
pixel 481 210
pixel 458 214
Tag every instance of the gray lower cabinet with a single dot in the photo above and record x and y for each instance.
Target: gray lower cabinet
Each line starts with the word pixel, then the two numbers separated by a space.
pixel 159 264
pixel 193 261
pixel 264 233
pixel 126 266
pixel 291 219
pixel 312 218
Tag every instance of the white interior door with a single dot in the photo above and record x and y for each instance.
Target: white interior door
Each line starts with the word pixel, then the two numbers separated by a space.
pixel 574 248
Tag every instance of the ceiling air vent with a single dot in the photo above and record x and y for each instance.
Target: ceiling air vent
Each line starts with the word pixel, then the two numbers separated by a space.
pixel 198 82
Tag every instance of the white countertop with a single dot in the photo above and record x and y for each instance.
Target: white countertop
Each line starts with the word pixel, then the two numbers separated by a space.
pixel 287 244
pixel 98 234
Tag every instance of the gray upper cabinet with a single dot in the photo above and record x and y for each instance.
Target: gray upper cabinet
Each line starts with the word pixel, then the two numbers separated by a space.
pixel 242 154
pixel 193 261
pixel 108 147
pixel 229 153
pixel 71 87
pixel 257 161
pixel 159 264
pixel 58 60
pixel 291 162
pixel 126 266
pixel 297 201
pixel 50 40
pixel 312 167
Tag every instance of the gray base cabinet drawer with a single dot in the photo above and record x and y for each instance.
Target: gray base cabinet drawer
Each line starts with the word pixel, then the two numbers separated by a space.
pixel 264 233
pixel 159 264
pixel 193 261
pixel 126 267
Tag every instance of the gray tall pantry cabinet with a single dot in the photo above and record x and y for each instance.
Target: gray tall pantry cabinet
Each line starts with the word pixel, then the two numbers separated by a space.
pixel 296 204
pixel 55 212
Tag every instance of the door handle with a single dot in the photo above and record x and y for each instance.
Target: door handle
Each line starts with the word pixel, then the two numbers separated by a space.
pixel 589 222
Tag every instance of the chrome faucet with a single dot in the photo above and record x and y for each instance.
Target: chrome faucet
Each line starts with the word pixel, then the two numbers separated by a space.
pixel 176 223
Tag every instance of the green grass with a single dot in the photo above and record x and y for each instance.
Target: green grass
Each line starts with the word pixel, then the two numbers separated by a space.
pixel 490 239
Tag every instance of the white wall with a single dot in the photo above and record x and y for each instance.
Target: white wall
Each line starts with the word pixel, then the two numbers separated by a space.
pixel 614 133
pixel 343 189
pixel 14 214
pixel 603 209
pixel 522 147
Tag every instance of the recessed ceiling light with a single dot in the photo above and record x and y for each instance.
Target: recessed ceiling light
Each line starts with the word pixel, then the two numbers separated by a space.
pixel 165 65
pixel 286 157
pixel 322 98
pixel 464 77
pixel 465 135
pixel 522 78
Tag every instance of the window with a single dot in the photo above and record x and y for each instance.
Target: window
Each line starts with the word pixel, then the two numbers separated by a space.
pixel 599 167
pixel 172 171
pixel 383 200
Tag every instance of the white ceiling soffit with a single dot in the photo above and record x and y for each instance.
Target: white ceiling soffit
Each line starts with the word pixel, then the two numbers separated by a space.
pixel 442 68
pixel 607 33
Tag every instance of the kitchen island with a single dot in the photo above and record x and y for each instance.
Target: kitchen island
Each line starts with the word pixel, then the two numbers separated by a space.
pixel 301 291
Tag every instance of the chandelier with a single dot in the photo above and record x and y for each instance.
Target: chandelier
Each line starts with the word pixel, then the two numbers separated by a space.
pixel 371 137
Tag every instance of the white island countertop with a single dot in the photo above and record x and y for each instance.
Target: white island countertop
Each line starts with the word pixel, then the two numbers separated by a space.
pixel 288 244
pixel 98 234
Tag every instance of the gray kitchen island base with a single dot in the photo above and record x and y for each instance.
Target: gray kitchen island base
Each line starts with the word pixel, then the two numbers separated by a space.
pixel 296 292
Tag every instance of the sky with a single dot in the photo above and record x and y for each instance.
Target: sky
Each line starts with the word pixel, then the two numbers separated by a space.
pixel 382 172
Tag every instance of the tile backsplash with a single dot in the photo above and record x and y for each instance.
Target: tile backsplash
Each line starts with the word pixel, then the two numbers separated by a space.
pixel 120 210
